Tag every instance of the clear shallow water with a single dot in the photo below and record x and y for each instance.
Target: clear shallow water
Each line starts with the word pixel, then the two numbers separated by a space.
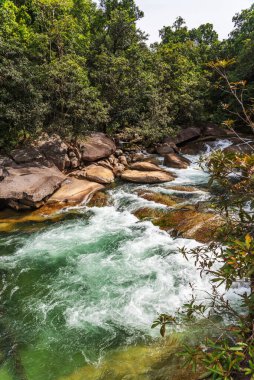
pixel 75 290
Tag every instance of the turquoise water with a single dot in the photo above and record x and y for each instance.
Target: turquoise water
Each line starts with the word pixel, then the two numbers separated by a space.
pixel 75 290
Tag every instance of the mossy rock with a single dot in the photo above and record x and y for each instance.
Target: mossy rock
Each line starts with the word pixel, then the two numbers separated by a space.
pixel 186 222
pixel 189 189
pixel 99 199
pixel 167 200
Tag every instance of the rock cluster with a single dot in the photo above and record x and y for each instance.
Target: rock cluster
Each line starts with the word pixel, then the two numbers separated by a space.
pixel 36 174
pixel 53 170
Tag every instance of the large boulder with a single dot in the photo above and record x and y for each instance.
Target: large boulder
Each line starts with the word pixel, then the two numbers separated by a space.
pixel 145 166
pixel 55 150
pixel 174 160
pixel 243 148
pixel 74 191
pixel 166 148
pixel 28 155
pixel 194 147
pixel 185 135
pixel 28 187
pixel 214 130
pixel 95 173
pixel 96 146
pixel 146 176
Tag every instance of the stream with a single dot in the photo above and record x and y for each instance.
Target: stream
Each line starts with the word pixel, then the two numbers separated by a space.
pixel 83 291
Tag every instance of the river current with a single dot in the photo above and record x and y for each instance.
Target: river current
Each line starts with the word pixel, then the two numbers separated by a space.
pixel 76 290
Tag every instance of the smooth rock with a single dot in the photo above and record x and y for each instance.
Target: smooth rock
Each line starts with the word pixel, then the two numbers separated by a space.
pixel 95 173
pixel 96 146
pixel 145 166
pixel 99 174
pixel 174 160
pixel 75 191
pixel 146 177
pixel 29 186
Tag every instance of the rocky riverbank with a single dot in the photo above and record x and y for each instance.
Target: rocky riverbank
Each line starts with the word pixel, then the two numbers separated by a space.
pixel 51 174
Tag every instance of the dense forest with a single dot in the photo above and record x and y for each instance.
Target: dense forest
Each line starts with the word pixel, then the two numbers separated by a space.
pixel 72 66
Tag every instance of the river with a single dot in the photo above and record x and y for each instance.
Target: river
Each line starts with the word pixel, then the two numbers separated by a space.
pixel 85 288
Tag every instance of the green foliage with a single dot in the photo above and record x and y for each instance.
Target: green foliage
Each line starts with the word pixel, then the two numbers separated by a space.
pixel 78 67
pixel 81 67
pixel 228 352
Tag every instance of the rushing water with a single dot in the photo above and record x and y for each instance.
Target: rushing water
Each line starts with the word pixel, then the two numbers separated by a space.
pixel 74 290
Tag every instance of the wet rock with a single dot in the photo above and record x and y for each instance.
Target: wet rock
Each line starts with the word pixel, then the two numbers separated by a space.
pixel 195 147
pixel 145 166
pixel 74 191
pixel 99 199
pixel 187 222
pixel 96 146
pixel 55 150
pixel 174 160
pixel 164 199
pixel 188 189
pixel 146 177
pixel 28 187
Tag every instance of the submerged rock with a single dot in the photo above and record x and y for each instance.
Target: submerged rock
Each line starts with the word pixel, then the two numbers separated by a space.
pixel 189 189
pixel 99 199
pixel 74 191
pixel 156 361
pixel 187 222
pixel 164 199
pixel 174 160
pixel 146 177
